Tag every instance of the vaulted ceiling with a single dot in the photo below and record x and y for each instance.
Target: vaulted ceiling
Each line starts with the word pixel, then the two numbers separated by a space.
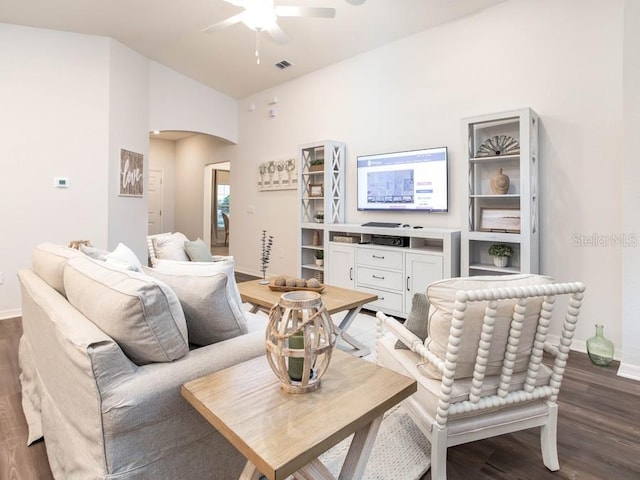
pixel 170 32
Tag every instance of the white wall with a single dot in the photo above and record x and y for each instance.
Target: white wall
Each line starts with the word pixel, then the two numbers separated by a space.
pixel 162 156
pixel 413 93
pixel 630 366
pixel 128 129
pixel 179 103
pixel 54 97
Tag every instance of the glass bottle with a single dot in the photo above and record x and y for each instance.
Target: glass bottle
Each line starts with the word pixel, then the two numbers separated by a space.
pixel 600 349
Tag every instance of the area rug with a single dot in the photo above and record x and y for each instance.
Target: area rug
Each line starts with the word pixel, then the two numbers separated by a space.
pixel 401 451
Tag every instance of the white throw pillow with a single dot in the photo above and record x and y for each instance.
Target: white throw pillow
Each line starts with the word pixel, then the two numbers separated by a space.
pixel 142 314
pixel 209 306
pixel 124 257
pixel 171 247
pixel 442 297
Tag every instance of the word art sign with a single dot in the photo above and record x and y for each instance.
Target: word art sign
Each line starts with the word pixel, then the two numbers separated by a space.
pixel 131 178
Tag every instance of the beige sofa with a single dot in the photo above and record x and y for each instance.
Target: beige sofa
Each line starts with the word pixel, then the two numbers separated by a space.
pixel 112 409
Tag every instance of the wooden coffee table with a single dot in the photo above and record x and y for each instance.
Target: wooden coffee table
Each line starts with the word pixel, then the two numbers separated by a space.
pixel 335 299
pixel 282 433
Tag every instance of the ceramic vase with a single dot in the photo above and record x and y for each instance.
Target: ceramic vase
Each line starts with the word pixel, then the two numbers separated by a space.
pixel 500 183
pixel 599 348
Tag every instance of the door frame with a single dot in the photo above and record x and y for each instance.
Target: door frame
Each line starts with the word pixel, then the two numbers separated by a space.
pixel 209 172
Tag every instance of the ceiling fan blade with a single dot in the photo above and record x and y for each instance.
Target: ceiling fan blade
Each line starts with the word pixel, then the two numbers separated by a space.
pixel 224 23
pixel 289 11
pixel 277 34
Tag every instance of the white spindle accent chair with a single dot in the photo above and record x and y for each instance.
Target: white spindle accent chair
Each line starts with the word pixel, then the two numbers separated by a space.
pixel 486 377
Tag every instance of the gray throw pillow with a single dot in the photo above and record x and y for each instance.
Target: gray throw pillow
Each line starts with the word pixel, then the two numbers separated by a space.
pixel 418 320
pixel 210 308
pixel 198 251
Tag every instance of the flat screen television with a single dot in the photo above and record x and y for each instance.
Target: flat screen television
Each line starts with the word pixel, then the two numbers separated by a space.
pixel 413 180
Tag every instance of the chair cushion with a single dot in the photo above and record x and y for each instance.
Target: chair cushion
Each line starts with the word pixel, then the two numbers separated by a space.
pixel 442 295
pixel 48 261
pixel 198 251
pixel 418 320
pixel 143 315
pixel 210 308
pixel 171 247
pixel 408 363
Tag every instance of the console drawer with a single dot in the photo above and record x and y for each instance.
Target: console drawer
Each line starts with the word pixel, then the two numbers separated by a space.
pixel 386 300
pixel 380 278
pixel 374 257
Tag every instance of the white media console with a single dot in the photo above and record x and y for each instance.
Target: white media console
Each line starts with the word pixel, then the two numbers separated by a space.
pixel 393 263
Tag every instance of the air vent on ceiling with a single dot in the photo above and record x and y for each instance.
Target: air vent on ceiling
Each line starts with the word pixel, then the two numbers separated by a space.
pixel 283 64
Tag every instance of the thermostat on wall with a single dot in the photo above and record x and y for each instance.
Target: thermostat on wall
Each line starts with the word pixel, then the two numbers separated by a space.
pixel 61 182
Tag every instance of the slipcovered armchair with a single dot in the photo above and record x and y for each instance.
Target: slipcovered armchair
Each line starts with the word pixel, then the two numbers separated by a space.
pixel 173 248
pixel 480 369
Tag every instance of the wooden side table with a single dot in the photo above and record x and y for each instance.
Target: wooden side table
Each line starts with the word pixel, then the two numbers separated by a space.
pixel 282 434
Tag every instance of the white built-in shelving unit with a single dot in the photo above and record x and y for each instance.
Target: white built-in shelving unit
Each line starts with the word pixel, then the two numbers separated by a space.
pixel 506 141
pixel 321 192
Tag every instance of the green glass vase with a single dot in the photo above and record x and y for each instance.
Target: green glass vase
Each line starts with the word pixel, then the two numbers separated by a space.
pixel 600 349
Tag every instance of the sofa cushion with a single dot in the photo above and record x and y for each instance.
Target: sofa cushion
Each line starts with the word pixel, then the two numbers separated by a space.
pixel 48 261
pixel 220 264
pixel 210 308
pixel 442 295
pixel 171 247
pixel 198 251
pixel 143 315
pixel 418 320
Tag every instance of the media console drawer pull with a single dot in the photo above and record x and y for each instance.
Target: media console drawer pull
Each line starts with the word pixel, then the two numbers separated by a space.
pixel 378 257
pixel 379 278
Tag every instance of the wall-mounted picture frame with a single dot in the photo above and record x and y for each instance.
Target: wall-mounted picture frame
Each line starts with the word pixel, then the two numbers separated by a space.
pixel 131 174
pixel 504 220
pixel 278 175
pixel 316 190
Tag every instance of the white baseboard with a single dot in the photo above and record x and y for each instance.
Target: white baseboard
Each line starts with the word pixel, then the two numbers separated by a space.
pixel 6 314
pixel 629 371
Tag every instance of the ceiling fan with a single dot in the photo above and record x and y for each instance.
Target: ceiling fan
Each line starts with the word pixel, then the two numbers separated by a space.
pixel 262 15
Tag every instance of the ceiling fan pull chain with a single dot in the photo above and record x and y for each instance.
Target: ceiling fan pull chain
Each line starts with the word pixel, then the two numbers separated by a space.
pixel 257 47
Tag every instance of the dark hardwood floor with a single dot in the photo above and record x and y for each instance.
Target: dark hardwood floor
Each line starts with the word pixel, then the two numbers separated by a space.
pixel 598 432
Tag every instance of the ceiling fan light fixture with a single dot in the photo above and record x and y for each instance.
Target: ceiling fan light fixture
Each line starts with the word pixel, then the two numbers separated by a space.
pixel 259 18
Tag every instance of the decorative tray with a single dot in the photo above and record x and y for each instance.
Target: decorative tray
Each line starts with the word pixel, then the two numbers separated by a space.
pixel 276 288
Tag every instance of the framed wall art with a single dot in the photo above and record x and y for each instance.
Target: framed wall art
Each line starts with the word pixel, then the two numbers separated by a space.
pixel 316 190
pixel 131 174
pixel 506 220
pixel 278 175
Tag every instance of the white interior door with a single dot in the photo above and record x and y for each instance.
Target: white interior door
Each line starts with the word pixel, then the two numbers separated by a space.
pixel 155 197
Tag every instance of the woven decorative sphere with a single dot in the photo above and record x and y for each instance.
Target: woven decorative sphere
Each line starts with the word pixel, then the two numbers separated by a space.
pixel 299 339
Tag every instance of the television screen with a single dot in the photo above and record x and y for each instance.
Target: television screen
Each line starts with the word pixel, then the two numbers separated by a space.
pixel 415 180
